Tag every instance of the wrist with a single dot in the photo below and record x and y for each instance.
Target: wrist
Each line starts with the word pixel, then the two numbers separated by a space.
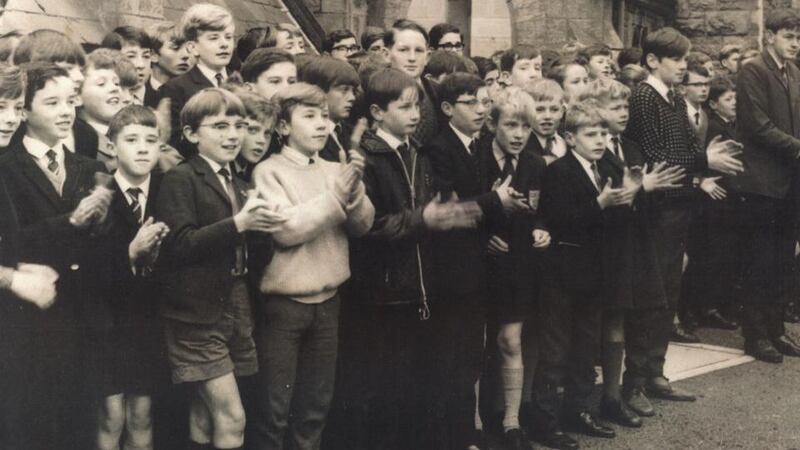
pixel 238 222
pixel 6 277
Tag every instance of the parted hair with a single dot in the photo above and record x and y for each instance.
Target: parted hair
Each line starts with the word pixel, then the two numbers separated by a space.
pixel 666 42
pixel 130 115
pixel 48 46
pixel 515 53
pixel 782 19
pixel 370 35
pixel 457 84
pixel 164 33
pixel 512 101
pixel 37 74
pixel 210 102
pixel 388 85
pixel 401 25
pixel 261 59
pixel 298 94
pixel 582 114
pixel 204 17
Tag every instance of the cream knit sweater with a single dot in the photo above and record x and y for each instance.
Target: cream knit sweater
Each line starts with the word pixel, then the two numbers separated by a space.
pixel 311 258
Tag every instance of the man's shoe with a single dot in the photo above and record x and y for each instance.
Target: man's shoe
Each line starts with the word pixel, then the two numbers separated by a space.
pixel 661 388
pixel 684 335
pixel 763 350
pixel 515 440
pixel 638 402
pixel 713 319
pixel 557 439
pixel 618 412
pixel 586 423
pixel 786 345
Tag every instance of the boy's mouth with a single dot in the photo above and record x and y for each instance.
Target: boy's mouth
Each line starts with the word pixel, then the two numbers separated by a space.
pixel 113 101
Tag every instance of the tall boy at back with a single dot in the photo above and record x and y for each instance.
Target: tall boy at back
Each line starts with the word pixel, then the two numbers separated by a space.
pixel 169 58
pixel 324 203
pixel 209 33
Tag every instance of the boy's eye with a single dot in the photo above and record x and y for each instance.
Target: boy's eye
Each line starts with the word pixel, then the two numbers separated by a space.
pixel 152 139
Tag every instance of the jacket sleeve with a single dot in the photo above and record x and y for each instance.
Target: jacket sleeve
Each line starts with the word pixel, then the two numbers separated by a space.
pixel 752 115
pixel 558 206
pixel 390 226
pixel 444 180
pixel 360 214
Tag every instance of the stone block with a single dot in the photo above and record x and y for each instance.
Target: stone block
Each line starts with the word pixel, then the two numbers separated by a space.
pixel 333 6
pixel 555 8
pixel 691 27
pixel 583 9
pixel 748 5
pixel 700 5
pixel 729 23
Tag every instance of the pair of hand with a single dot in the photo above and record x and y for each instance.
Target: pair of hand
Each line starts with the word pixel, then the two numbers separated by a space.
pixel 722 156
pixel 510 199
pixel 257 215
pixel 93 208
pixel 144 248
pixel 452 214
pixel 352 163
pixel 35 283
pixel 611 196
pixel 497 246
pixel 662 176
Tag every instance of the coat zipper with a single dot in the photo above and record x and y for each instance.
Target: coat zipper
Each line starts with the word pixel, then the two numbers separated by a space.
pixel 424 310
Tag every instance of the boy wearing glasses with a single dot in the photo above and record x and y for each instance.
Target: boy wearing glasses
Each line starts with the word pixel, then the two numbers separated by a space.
pixel 205 301
pixel 447 37
pixel 340 44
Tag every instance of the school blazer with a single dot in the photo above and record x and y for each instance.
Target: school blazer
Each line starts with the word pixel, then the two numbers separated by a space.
pixel 151 96
pixel 198 255
pixel 9 228
pixel 461 254
pixel 180 89
pixel 86 141
pixel 47 237
pixel 768 125
pixel 575 221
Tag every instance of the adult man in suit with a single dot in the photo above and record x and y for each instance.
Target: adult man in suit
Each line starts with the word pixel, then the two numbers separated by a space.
pixel 768 125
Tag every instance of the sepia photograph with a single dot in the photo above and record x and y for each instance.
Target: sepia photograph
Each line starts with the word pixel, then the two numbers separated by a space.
pixel 399 224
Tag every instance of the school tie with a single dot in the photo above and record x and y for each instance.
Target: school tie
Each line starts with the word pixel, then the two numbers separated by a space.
pixel 784 76
pixel 508 167
pixel 473 148
pixel 548 146
pixel 338 132
pixel 598 181
pixel 671 97
pixel 52 162
pixel 136 207
pixel 697 118
pixel 218 77
pixel 617 151
pixel 231 191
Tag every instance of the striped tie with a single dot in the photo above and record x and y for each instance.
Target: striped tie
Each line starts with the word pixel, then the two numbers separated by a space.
pixel 136 207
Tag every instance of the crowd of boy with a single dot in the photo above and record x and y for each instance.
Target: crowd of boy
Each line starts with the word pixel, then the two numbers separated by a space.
pixel 331 251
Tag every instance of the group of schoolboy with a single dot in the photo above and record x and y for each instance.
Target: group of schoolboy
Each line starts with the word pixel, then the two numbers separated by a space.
pixel 330 251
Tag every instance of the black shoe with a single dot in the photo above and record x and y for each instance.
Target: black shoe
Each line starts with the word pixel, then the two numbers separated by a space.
pixel 661 388
pixel 713 319
pixel 684 335
pixel 763 350
pixel 557 439
pixel 619 413
pixel 787 345
pixel 586 423
pixel 515 440
pixel 638 402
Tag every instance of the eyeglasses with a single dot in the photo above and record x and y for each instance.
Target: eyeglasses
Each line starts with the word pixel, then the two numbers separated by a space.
pixel 224 127
pixel 473 103
pixel 451 46
pixel 347 48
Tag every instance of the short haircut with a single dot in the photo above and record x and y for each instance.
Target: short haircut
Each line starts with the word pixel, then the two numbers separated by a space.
pixel 130 115
pixel 439 30
pixel 252 39
pixel 332 38
pixel 204 17
pixel 388 85
pixel 256 106
pixel 163 33
pixel 632 74
pixel 697 68
pixel 666 42
pixel 719 86
pixel 272 38
pixel 327 72
pixel 12 81
pixel 8 43
pixel 402 25
pixel 512 101
pixel 595 50
pixel 373 63
pixel 629 55
pixel 457 84
pixel 298 94
pixel 782 19
pixel 697 57
pixel 558 70
pixel 260 60
pixel 107 58
pixel 357 58
pixel 370 35
pixel 48 46
pixel 544 90
pixel 210 102
pixel 728 50
pixel 37 75
pixel 605 91
pixel 515 53
pixel 444 62
pixel 582 114
pixel 485 65
pixel 126 34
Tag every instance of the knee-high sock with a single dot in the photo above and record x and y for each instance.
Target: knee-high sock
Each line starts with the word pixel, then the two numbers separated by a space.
pixel 513 379
pixel 612 368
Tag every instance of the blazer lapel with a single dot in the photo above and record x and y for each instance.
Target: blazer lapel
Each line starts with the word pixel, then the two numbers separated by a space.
pixel 579 172
pixel 210 178
pixel 122 208
pixel 199 79
pixel 73 174
pixel 37 177
pixel 614 159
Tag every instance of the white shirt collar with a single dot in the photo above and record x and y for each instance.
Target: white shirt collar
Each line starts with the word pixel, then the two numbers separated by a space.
pixel 390 138
pixel 37 148
pixel 587 167
pixel 691 110
pixel 500 155
pixel 559 146
pixel 215 166
pixel 777 60
pixel 124 185
pixel 100 128
pixel 659 86
pixel 138 94
pixel 154 83
pixel 466 140
pixel 298 157
pixel 610 144
pixel 210 74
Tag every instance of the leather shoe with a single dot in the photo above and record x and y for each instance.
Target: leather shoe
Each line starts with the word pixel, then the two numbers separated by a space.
pixel 684 335
pixel 618 412
pixel 713 319
pixel 661 388
pixel 786 345
pixel 638 402
pixel 515 440
pixel 586 423
pixel 763 350
pixel 557 439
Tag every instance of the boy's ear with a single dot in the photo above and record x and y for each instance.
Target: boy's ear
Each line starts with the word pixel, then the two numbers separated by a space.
pixel 283 128
pixel 504 77
pixel 652 61
pixel 447 109
pixel 376 112
pixel 153 57
pixel 491 125
pixel 191 135
pixel 569 138
pixel 191 47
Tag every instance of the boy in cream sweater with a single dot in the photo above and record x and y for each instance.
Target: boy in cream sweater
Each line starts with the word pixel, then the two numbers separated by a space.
pixel 325 203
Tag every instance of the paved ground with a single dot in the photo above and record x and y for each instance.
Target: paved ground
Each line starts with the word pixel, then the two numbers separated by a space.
pixel 750 406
